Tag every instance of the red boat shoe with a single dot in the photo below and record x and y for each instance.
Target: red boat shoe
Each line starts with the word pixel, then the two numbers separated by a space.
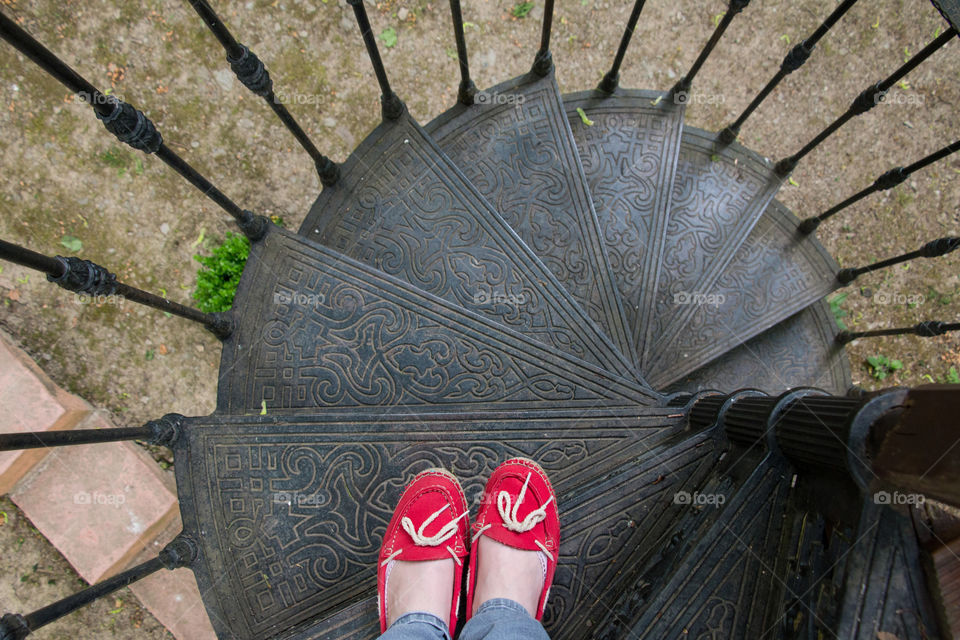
pixel 429 523
pixel 519 509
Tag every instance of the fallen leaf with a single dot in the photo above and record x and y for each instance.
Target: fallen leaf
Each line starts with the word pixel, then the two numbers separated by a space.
pixel 389 37
pixel 71 243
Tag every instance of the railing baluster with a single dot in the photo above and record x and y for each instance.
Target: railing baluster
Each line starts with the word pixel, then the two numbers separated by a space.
pixel 680 91
pixel 927 329
pixel 888 180
pixel 611 80
pixel 181 552
pixel 543 62
pixel 933 249
pixel 83 276
pixel 467 90
pixel 162 432
pixel 868 99
pixel 793 61
pixel 390 102
pixel 127 123
pixel 250 70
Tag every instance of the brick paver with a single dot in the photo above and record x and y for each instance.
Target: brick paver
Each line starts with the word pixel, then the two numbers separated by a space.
pixel 30 401
pixel 98 504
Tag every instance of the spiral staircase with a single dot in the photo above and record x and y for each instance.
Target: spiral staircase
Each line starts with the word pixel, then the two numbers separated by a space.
pixel 581 279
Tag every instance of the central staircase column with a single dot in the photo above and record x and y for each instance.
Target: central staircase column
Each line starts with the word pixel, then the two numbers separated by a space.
pixel 899 440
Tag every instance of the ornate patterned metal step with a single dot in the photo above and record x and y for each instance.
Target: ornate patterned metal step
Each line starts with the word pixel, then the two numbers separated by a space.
pixel 628 153
pixel 317 329
pixel 717 200
pixel 517 149
pixel 798 352
pixel 289 511
pixel 403 207
pixel 776 273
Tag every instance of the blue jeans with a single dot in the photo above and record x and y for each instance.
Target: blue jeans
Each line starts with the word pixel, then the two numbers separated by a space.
pixel 496 619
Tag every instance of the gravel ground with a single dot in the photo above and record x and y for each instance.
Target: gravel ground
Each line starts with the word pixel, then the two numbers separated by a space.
pixel 63 176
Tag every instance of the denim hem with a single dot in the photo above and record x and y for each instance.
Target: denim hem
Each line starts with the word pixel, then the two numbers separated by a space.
pixel 423 618
pixel 502 603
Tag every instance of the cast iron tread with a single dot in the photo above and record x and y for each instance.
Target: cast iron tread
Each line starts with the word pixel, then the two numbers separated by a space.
pixel 668 547
pixel 608 522
pixel 718 197
pixel 724 586
pixel 800 351
pixel 403 207
pixel 522 157
pixel 357 621
pixel 628 153
pixel 885 589
pixel 293 508
pixel 367 338
pixel 812 564
pixel 776 272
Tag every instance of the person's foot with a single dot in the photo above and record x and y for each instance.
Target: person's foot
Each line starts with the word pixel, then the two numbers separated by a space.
pixel 505 572
pixel 423 550
pixel 516 537
pixel 419 586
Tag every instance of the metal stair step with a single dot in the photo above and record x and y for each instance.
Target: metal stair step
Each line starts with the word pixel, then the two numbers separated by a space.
pixel 403 207
pixel 811 562
pixel 725 584
pixel 608 526
pixel 798 352
pixel 518 150
pixel 318 329
pixel 718 197
pixel 357 621
pixel 666 547
pixel 885 589
pixel 776 272
pixel 628 152
pixel 289 511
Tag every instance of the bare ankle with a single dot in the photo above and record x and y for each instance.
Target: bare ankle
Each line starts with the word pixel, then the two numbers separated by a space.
pixel 505 572
pixel 419 586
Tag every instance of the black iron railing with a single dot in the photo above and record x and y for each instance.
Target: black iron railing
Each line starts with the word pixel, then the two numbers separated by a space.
pixel 130 126
pixel 254 76
pixel 867 100
pixel 795 59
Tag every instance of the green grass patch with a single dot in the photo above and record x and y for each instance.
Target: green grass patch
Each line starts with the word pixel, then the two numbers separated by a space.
pixel 838 311
pixel 219 276
pixel 521 9
pixel 881 366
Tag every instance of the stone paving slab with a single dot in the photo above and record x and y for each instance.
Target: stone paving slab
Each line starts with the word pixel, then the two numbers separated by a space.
pixel 30 401
pixel 99 505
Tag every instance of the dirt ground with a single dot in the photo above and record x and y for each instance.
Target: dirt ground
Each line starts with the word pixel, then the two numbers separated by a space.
pixel 62 175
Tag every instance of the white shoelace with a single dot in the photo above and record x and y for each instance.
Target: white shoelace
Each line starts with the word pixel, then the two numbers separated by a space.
pixel 445 533
pixel 509 515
